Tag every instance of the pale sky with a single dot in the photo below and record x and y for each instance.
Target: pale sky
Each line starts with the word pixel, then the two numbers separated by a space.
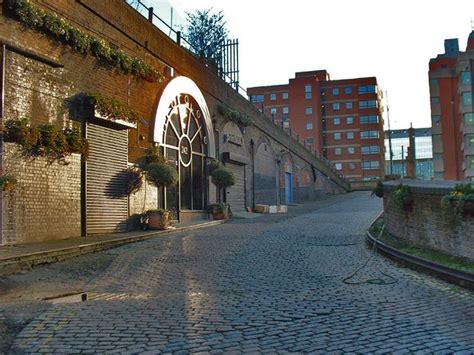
pixel 392 40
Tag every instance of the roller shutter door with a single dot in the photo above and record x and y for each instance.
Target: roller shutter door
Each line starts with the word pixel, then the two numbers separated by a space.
pixel 106 205
pixel 236 193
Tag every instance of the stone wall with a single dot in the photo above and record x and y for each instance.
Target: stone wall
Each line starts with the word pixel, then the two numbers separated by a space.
pixel 428 225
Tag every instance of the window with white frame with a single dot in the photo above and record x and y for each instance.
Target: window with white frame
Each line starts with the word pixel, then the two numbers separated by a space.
pixel 336 120
pixel 349 105
pixel 349 120
pixel 338 166
pixel 351 150
pixel 350 135
pixel 309 126
pixel 284 95
pixel 273 97
pixel 309 111
pixel 370 165
pixel 337 136
pixel 336 106
pixel 369 134
pixel 338 151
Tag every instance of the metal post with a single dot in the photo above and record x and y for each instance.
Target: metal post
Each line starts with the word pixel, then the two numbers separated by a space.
pixel 150 14
pixel 403 162
pixel 178 37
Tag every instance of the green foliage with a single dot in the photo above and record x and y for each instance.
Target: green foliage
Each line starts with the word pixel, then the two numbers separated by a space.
pixel 213 165
pixel 113 109
pixel 402 197
pixel 207 33
pixel 45 140
pixel 235 116
pixel 460 200
pixel 161 174
pixel 218 208
pixel 59 28
pixel 7 182
pixel 378 189
pixel 222 178
pixel 160 211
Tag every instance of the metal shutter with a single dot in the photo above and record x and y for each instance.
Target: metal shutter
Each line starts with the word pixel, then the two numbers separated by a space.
pixel 106 205
pixel 236 193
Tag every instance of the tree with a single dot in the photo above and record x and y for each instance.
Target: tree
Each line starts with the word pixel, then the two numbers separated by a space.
pixel 207 33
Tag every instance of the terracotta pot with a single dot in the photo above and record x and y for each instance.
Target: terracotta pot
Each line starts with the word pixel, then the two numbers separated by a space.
pixel 216 214
pixel 159 221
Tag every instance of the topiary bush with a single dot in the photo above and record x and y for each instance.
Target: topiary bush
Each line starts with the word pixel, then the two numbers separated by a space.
pixel 161 174
pixel 222 178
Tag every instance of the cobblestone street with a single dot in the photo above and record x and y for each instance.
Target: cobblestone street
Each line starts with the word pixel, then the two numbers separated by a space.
pixel 271 284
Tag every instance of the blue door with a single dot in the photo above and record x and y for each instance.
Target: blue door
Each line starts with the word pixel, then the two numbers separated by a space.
pixel 288 188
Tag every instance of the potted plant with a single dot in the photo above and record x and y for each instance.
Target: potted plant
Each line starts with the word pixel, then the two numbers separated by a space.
pixel 161 174
pixel 222 178
pixel 219 210
pixel 158 219
pixel 378 189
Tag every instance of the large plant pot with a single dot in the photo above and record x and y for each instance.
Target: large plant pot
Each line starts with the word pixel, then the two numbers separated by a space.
pixel 468 208
pixel 220 213
pixel 159 220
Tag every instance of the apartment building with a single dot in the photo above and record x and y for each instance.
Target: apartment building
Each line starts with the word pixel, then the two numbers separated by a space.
pixel 340 120
pixel 452 112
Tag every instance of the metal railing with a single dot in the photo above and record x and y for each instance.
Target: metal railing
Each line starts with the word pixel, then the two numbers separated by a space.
pixel 177 36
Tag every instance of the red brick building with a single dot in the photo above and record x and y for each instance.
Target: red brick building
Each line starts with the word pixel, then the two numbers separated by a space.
pixel 452 117
pixel 340 119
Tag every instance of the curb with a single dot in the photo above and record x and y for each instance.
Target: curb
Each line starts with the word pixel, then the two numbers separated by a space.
pixel 460 278
pixel 27 261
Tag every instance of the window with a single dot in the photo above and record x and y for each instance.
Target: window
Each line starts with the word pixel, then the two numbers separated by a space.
pixel 371 149
pixel 350 120
pixel 435 119
pixel 369 165
pixel 367 89
pixel 351 150
pixel 336 106
pixel 284 96
pixel 469 118
pixel 467 98
pixel 307 92
pixel 335 91
pixel 337 136
pixel 465 78
pixel 347 90
pixel 338 151
pixel 352 166
pixel 470 162
pixel 257 98
pixel 369 134
pixel 309 126
pixel 273 111
pixel 368 104
pixel 470 140
pixel 286 110
pixel 273 97
pixel 433 82
pixel 350 135
pixel 369 119
pixel 309 141
pixel 434 99
pixel 336 120
pixel 348 105
pixel 338 166
pixel 309 111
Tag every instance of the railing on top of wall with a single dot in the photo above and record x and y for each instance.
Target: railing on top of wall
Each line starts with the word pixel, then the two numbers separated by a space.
pixel 163 26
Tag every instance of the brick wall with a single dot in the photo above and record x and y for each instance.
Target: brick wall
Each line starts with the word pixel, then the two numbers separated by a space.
pixel 46 201
pixel 428 225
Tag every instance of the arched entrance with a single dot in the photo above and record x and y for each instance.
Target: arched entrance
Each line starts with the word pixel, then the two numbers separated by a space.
pixel 183 130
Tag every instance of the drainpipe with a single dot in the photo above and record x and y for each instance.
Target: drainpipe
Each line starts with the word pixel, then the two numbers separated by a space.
pixel 252 147
pixel 2 112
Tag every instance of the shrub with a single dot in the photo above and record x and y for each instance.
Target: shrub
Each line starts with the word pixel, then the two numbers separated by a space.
pixel 222 178
pixel 112 108
pixel 402 197
pixel 378 189
pixel 460 200
pixel 7 182
pixel 235 116
pixel 161 174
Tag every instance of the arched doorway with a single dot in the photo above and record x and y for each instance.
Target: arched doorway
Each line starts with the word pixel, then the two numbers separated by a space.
pixel 183 130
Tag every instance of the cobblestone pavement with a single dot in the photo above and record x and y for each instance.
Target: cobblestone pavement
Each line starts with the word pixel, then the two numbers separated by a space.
pixel 272 284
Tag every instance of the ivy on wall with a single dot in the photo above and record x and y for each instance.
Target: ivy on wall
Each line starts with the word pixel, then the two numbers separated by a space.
pixel 45 140
pixel 112 108
pixel 57 27
pixel 235 116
